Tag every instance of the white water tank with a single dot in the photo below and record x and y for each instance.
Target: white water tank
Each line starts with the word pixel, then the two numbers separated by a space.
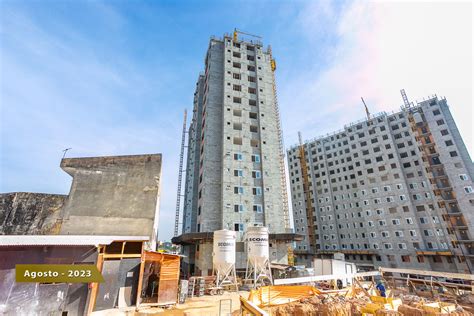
pixel 257 244
pixel 223 256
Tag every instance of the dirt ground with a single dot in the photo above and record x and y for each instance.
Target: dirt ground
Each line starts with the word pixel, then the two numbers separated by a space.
pixel 197 306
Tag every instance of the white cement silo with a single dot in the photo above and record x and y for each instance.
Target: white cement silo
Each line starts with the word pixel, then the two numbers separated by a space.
pixel 223 257
pixel 257 244
pixel 258 258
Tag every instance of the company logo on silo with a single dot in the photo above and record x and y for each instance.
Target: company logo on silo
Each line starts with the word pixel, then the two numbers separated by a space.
pixel 225 244
pixel 258 239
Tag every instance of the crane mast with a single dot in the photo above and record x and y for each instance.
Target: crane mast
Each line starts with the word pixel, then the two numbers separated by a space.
pixel 281 148
pixel 180 176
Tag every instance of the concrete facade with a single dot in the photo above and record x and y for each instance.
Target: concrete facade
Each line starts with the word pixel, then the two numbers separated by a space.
pixel 233 178
pixel 393 191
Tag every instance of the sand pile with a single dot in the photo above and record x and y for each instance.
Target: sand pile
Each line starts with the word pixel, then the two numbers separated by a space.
pixel 327 305
pixel 321 306
pixel 416 311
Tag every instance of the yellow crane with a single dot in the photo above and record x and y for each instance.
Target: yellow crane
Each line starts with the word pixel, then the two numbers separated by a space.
pixel 236 32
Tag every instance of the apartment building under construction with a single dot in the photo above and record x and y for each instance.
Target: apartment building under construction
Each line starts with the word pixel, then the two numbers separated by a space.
pixel 235 169
pixel 393 190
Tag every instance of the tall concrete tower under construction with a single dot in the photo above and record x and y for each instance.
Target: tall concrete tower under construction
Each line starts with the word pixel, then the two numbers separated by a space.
pixel 235 176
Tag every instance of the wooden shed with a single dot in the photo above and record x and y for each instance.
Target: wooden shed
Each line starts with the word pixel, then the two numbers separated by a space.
pixel 158 279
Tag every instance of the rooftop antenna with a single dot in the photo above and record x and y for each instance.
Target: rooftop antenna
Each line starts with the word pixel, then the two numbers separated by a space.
pixel 405 98
pixel 366 108
pixel 65 151
pixel 180 176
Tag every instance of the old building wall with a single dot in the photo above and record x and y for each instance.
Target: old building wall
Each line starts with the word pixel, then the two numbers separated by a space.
pixel 115 195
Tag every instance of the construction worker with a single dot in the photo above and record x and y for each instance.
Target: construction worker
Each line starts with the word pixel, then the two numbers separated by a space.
pixel 381 288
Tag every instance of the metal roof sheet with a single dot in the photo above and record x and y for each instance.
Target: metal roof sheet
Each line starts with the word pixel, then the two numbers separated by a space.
pixel 66 240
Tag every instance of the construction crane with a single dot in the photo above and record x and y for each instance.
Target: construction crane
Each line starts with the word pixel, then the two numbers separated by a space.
pixel 281 148
pixel 180 176
pixel 405 98
pixel 366 108
pixel 236 32
pixel 307 194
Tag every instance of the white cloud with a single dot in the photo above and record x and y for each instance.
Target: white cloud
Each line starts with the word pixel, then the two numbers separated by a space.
pixel 380 48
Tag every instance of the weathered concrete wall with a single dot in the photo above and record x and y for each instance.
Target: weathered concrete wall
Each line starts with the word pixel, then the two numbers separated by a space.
pixel 23 213
pixel 112 195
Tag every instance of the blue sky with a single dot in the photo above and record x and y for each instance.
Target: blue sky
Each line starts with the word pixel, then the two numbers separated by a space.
pixel 113 77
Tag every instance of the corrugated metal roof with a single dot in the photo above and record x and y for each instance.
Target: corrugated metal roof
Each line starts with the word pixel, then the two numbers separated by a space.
pixel 66 240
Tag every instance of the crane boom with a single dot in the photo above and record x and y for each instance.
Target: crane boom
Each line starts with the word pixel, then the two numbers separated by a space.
pixel 236 32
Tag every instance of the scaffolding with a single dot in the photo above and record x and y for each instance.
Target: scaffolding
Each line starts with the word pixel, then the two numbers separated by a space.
pixel 307 194
pixel 442 187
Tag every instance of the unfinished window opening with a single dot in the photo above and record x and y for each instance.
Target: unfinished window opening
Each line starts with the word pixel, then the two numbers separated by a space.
pixel 238 126
pixel 253 115
pixel 237 141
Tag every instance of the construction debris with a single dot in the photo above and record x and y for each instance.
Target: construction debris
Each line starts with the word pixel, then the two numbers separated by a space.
pixel 355 300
